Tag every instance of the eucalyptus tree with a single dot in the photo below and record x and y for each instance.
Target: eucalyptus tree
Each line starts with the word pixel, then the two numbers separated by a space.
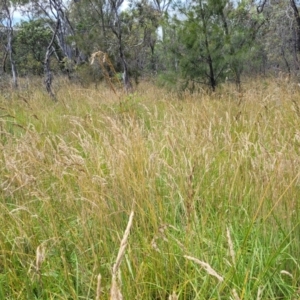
pixel 242 26
pixel 141 23
pixel 163 9
pixel 126 32
pixel 296 27
pixel 282 43
pixel 3 42
pixel 91 22
pixel 98 26
pixel 137 25
pixel 52 11
pixel 30 43
pixel 115 24
pixel 7 11
pixel 296 31
pixel 54 14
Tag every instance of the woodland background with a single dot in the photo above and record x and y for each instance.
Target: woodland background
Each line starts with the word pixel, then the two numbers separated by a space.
pixel 182 44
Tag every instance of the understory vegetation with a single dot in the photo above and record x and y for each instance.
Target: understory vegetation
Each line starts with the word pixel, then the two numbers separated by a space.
pixel 212 179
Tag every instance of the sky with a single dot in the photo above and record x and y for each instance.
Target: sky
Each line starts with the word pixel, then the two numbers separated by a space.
pixel 18 17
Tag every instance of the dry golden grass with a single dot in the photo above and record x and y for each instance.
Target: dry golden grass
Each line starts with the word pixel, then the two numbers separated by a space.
pixel 115 291
pixel 193 166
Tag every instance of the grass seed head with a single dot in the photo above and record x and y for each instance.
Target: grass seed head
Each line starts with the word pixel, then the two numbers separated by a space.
pixel 173 296
pixel 123 245
pixel 98 292
pixel 115 292
pixel 206 267
pixel 230 244
pixel 40 257
pixel 235 295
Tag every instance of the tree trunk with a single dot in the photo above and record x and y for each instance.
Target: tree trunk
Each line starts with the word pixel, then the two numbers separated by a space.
pixel 4 61
pixel 126 79
pixel 297 31
pixel 212 79
pixel 153 61
pixel 12 61
pixel 9 45
pixel 47 69
pixel 116 29
pixel 211 75
pixel 65 29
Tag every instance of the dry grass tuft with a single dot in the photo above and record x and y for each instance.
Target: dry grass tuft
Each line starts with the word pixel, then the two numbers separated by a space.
pixel 173 296
pixel 98 290
pixel 193 163
pixel 107 67
pixel 115 292
pixel 235 295
pixel 206 267
pixel 40 257
pixel 231 247
pixel 283 272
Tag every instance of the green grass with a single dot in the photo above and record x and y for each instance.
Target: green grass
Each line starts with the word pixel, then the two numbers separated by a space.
pixel 211 176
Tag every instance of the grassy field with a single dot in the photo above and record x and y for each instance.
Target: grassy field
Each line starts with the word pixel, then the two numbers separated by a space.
pixel 212 179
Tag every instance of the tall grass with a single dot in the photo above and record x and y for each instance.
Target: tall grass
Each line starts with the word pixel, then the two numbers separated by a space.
pixel 213 180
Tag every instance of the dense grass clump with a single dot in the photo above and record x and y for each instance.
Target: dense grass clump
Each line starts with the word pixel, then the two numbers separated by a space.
pixel 213 180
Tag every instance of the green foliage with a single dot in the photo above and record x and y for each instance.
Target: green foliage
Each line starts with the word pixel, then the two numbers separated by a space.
pixel 209 41
pixel 30 43
pixel 214 39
